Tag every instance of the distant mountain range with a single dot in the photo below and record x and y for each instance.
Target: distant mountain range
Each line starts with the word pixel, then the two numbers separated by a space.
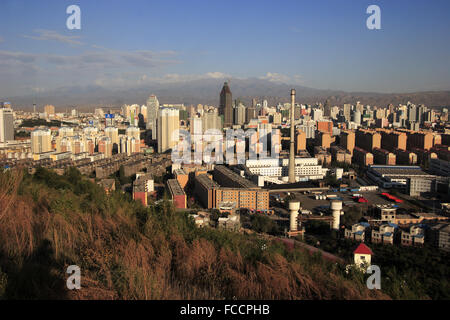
pixel 206 91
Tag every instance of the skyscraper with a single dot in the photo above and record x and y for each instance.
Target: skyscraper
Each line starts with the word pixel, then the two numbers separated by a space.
pixel 239 114
pixel 41 141
pixel 347 111
pixel 211 120
pixel 225 107
pixel 152 115
pixel 49 110
pixel 6 124
pixel 168 124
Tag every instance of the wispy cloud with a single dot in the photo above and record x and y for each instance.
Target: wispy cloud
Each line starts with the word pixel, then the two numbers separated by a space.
pixel 50 35
pixel 20 57
pixel 108 59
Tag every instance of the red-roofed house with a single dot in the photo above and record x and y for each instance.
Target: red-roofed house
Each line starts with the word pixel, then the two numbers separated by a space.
pixel 362 255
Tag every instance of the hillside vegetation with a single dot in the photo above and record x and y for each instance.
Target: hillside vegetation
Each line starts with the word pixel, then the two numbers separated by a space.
pixel 127 251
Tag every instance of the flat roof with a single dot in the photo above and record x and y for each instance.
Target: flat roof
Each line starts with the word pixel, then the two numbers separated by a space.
pixel 206 181
pixel 174 187
pixel 242 182
pixel 399 171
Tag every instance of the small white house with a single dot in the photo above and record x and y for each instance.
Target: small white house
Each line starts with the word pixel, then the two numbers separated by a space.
pixel 362 256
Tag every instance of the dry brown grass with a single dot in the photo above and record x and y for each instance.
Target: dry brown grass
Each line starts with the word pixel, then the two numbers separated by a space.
pixel 120 261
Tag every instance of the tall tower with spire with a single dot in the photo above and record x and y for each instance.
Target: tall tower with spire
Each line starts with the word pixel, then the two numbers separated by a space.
pixel 292 142
pixel 225 107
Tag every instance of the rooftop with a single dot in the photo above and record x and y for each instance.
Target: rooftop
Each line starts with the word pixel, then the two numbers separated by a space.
pixel 363 249
pixel 400 171
pixel 207 182
pixel 174 187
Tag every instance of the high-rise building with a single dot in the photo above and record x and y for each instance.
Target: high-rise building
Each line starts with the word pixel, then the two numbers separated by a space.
pixel 144 112
pixel 168 125
pixel 347 140
pixel 300 141
pixel 347 111
pixel 105 146
pixel 250 114
pixel 133 132
pixel 152 115
pixel 316 114
pixel 41 141
pixel 412 113
pixel 49 110
pixel 6 124
pixel 239 114
pixel 325 126
pixel 113 134
pixel 327 109
pixel 225 107
pixel 211 120
pixel 368 139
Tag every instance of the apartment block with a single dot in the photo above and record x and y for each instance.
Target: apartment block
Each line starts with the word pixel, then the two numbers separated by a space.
pixel 362 157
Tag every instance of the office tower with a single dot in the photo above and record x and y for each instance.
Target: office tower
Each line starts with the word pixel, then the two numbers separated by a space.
pixel 41 141
pixel 347 111
pixel 239 114
pixel 254 102
pixel 265 104
pixel 412 113
pixel 357 117
pixel 49 110
pixel 211 120
pixel 113 134
pixel 168 125
pixel 250 114
pixel 34 107
pixel 421 110
pixel 6 124
pixel 152 115
pixel 327 109
pixel 144 112
pixel 292 142
pixel 225 107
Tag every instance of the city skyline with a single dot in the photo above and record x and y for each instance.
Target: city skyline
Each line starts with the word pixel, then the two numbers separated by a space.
pixel 324 45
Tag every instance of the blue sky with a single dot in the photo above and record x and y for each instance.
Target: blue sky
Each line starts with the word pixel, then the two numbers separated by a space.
pixel 320 44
